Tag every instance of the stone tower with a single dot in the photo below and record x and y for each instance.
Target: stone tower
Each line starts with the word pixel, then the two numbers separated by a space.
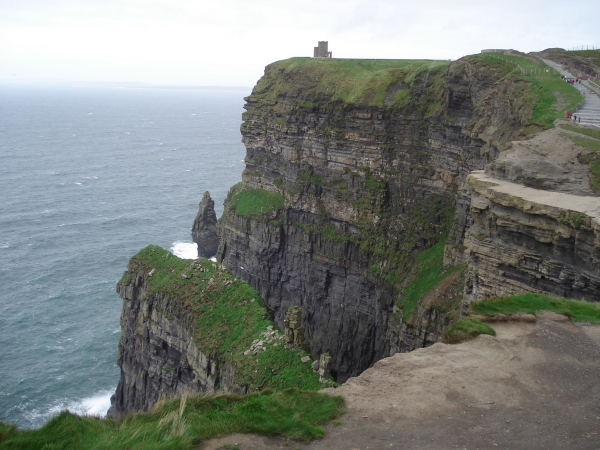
pixel 321 50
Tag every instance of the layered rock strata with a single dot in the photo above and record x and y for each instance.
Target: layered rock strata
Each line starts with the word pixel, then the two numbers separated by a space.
pixel 524 239
pixel 204 230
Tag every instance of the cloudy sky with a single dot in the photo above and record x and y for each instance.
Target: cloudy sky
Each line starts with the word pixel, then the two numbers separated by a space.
pixel 228 42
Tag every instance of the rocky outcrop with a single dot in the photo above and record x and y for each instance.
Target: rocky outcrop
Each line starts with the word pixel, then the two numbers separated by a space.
pixel 530 240
pixel 204 230
pixel 158 356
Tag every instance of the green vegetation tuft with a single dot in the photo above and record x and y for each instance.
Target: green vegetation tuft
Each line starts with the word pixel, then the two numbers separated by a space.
pixel 253 203
pixel 228 315
pixel 467 328
pixel 578 311
pixel 429 272
pixel 183 423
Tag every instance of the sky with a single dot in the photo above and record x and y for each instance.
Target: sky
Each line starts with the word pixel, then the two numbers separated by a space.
pixel 229 42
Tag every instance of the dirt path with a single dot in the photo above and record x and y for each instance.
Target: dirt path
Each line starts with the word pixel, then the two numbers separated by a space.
pixel 535 385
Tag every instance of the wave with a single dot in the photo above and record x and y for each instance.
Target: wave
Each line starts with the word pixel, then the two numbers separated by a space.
pixel 96 406
pixel 184 250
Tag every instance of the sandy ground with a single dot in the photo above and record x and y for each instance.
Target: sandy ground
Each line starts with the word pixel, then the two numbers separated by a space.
pixel 534 386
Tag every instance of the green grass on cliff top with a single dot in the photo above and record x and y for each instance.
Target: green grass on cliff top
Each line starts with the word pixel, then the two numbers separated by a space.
pixel 183 423
pixel 356 81
pixel 578 311
pixel 229 315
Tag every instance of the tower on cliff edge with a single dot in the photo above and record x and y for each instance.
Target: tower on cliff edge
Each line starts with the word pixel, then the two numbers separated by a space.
pixel 321 50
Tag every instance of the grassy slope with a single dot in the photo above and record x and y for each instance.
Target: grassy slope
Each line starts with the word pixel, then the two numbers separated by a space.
pixel 227 319
pixel 578 311
pixel 182 423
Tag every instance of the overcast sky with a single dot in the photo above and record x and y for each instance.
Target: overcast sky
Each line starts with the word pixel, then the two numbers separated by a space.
pixel 228 42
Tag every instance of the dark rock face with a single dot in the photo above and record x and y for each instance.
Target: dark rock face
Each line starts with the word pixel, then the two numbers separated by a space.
pixel 204 230
pixel 366 188
pixel 157 353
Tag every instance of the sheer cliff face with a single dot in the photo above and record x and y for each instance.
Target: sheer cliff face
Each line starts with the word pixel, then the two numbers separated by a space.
pixel 367 179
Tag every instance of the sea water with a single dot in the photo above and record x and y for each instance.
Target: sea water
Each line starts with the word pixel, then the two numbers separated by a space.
pixel 88 177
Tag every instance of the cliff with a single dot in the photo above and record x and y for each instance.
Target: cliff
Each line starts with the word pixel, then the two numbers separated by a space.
pixel 188 326
pixel 379 199
pixel 353 168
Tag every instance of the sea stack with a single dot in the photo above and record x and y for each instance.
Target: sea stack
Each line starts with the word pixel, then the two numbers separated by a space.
pixel 204 231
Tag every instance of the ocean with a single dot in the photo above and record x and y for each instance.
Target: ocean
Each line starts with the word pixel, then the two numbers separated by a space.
pixel 88 177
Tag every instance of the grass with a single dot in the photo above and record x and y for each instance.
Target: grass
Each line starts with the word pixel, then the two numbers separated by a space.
pixel 428 273
pixel 467 328
pixel 350 81
pixel 581 130
pixel 227 316
pixel 584 142
pixel 254 203
pixel 183 423
pixel 592 158
pixel 577 311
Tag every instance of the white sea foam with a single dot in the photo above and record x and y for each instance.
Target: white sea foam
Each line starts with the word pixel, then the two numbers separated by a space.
pixel 96 405
pixel 185 250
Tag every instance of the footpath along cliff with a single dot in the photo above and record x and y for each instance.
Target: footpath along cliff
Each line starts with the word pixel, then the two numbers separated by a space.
pixel 379 199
